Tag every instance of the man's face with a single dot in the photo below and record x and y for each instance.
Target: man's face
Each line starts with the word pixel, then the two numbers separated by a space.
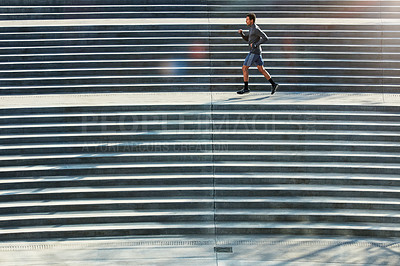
pixel 249 22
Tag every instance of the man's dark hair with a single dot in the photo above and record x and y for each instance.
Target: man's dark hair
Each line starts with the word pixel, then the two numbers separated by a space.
pixel 252 16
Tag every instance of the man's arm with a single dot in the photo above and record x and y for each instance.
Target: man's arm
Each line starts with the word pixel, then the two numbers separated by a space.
pixel 244 36
pixel 263 37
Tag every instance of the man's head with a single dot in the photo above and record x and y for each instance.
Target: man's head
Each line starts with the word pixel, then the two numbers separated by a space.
pixel 250 19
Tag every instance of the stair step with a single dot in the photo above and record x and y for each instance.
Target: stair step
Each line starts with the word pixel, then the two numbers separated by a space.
pixel 199 190
pixel 203 153
pixel 107 217
pixel 387 230
pixel 312 203
pixel 317 212
pixel 215 122
pixel 93 230
pixel 378 181
pixel 84 205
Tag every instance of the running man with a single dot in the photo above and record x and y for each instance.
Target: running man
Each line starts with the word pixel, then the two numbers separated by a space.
pixel 255 38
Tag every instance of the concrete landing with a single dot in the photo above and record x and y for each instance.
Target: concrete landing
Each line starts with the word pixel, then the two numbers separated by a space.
pixel 162 98
pixel 238 250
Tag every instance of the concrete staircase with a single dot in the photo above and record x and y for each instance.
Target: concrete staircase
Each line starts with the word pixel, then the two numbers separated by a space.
pixel 72 172
pixel 308 170
pixel 334 46
pixel 106 171
pixel 81 9
pixel 197 169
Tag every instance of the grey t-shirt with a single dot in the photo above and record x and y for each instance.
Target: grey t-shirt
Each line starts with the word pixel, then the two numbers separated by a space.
pixel 256 37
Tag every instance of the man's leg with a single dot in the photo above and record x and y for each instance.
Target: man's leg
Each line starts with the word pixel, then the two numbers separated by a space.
pixel 245 70
pixel 264 72
pixel 268 77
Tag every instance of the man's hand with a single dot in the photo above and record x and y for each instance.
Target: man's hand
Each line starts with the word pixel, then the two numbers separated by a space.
pixel 240 31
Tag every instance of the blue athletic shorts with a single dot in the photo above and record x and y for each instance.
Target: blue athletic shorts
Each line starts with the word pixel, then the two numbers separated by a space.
pixel 253 60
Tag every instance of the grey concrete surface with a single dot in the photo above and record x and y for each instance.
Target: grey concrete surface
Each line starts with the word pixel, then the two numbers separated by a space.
pixel 240 250
pixel 180 250
pixel 168 98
